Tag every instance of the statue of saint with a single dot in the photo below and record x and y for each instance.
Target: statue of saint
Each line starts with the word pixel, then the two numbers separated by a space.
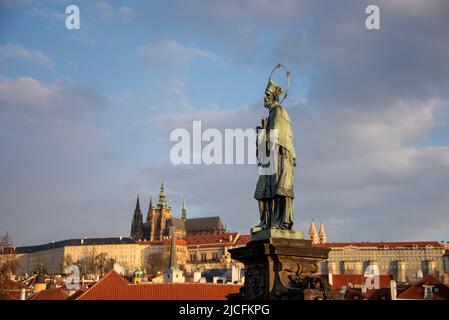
pixel 274 192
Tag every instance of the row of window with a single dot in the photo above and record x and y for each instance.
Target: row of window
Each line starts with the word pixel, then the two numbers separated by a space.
pixel 204 257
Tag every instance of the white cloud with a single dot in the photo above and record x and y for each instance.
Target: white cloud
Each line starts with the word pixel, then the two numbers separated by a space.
pixel 31 55
pixel 27 92
pixel 34 111
pixel 172 54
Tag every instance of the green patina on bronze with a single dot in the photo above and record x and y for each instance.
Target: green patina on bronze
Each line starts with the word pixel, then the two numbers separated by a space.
pixel 275 192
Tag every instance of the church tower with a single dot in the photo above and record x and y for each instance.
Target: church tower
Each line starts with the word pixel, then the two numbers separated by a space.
pixel 184 210
pixel 313 234
pixel 322 234
pixel 159 218
pixel 137 223
pixel 173 274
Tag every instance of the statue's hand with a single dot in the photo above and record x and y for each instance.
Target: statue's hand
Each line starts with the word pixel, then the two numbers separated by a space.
pixel 264 122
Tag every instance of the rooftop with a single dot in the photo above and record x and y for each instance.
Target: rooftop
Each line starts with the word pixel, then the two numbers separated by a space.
pixel 114 287
pixel 440 291
pixel 341 280
pixel 75 242
pixel 50 294
pixel 410 244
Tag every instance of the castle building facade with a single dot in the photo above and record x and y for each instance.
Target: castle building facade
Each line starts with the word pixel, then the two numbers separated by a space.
pixel 406 262
pixel 159 220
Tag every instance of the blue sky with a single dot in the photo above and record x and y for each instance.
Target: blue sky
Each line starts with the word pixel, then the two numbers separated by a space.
pixel 86 114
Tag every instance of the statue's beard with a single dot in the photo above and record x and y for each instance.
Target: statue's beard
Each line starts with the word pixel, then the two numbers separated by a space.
pixel 270 104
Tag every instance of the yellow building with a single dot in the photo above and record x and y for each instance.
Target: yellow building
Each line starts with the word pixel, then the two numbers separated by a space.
pixel 405 261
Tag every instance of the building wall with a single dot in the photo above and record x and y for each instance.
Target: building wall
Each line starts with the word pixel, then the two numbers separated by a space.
pixel 50 259
pixel 401 263
pixel 202 258
pixel 127 255
pixel 148 250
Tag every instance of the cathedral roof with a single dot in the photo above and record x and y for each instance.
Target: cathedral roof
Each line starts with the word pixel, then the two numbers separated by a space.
pixel 206 225
pixel 177 223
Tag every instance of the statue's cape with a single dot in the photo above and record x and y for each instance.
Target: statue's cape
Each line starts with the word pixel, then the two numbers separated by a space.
pixel 280 120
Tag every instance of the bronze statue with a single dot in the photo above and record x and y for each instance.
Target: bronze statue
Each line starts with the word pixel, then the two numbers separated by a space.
pixel 274 191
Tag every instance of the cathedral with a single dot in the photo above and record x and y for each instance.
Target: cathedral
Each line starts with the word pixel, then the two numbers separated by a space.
pixel 159 220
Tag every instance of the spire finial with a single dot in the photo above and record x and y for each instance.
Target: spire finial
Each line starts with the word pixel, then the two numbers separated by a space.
pixel 150 206
pixel 137 204
pixel 184 209
pixel 162 201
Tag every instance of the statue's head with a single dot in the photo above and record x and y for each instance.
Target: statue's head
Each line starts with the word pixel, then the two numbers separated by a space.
pixel 272 94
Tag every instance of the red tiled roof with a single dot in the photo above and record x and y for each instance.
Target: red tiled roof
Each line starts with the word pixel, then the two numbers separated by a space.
pixel 51 294
pixel 212 239
pixel 115 287
pixel 371 294
pixel 77 294
pixel 381 244
pixel 179 242
pixel 10 290
pixel 417 291
pixel 341 280
pixel 244 239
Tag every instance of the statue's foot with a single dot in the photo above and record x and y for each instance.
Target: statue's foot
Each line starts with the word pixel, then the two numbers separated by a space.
pixel 258 228
pixel 286 226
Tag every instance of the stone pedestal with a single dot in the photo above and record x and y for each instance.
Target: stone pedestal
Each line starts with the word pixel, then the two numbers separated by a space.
pixel 281 267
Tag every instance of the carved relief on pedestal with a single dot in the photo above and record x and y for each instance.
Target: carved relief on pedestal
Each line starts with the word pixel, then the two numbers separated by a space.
pixel 256 277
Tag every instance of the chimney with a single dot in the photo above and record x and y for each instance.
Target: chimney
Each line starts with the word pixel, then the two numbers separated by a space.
pixel 230 238
pixel 23 294
pixel 393 291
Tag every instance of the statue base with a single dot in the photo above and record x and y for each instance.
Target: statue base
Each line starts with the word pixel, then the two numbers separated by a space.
pixel 281 268
pixel 277 233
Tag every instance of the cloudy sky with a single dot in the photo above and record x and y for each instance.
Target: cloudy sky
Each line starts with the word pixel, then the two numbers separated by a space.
pixel 86 115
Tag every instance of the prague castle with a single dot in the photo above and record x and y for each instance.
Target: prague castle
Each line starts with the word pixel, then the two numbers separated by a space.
pixel 159 220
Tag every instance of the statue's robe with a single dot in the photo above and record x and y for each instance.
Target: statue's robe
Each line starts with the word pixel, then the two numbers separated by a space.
pixel 279 186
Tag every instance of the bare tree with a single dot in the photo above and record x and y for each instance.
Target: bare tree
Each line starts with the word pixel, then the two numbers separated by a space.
pixel 103 264
pixel 156 261
pixel 66 262
pixel 8 259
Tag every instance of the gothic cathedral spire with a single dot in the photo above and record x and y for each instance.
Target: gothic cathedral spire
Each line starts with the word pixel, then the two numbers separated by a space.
pixel 137 222
pixel 137 204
